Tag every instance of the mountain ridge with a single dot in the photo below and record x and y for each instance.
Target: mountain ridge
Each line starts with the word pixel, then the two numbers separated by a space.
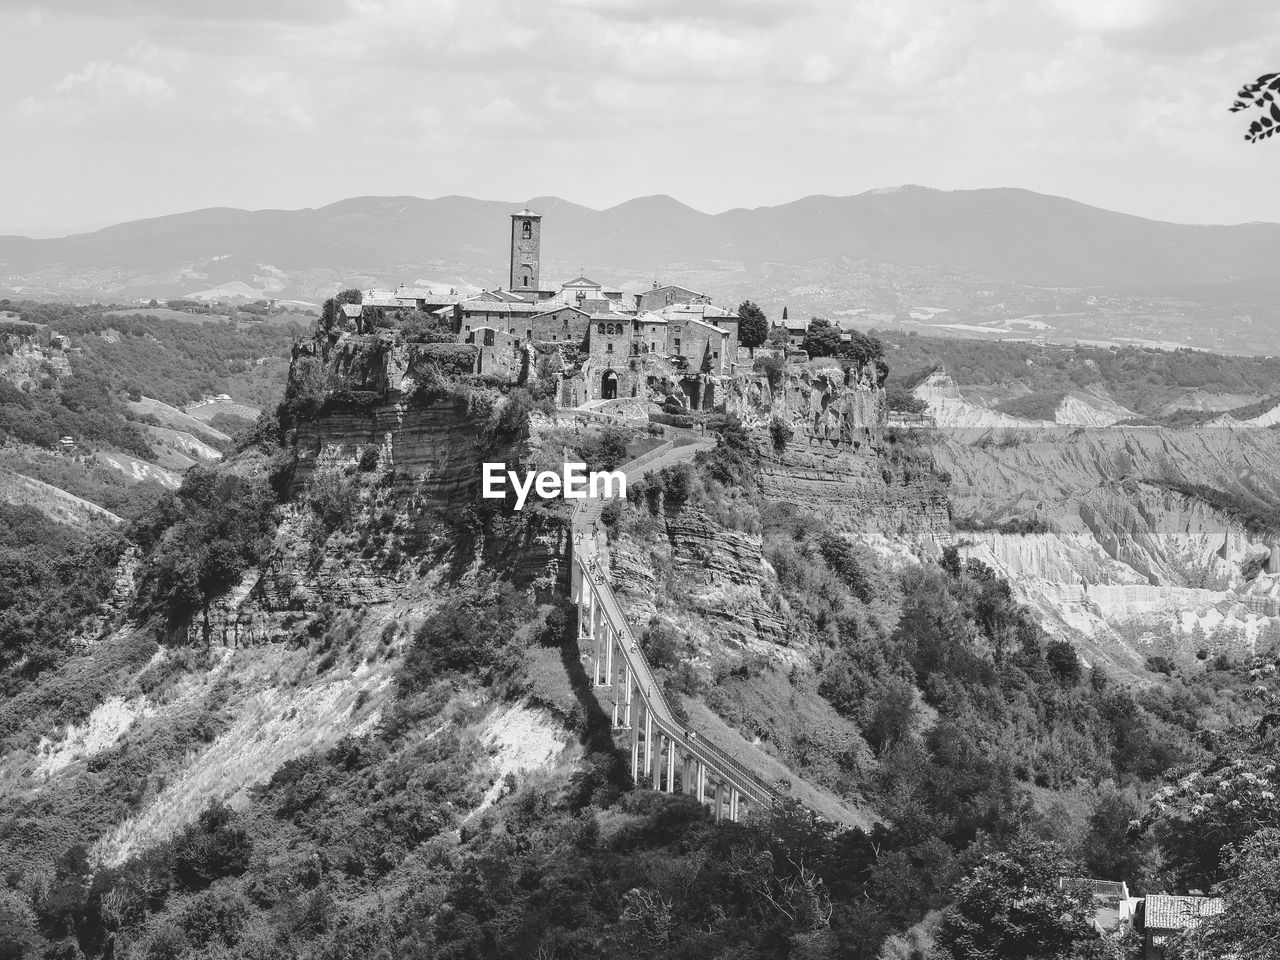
pixel 1007 232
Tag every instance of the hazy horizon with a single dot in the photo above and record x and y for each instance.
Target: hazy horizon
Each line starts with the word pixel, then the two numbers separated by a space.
pixel 55 231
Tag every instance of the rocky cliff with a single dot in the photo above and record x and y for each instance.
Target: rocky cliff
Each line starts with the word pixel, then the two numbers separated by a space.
pixel 822 401
pixel 31 353
pixel 717 576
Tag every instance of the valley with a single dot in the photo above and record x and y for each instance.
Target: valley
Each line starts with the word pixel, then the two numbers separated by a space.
pixel 307 682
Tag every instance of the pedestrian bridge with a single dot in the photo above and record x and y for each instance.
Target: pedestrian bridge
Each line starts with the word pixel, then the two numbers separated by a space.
pixel 666 754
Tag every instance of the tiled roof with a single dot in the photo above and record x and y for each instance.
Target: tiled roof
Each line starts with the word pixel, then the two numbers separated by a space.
pixel 709 326
pixel 1164 912
pixel 429 297
pixel 560 309
pixel 501 306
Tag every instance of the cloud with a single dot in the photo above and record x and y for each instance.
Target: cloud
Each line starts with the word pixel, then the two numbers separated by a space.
pixel 422 93
pixel 252 11
pixel 270 100
pixel 106 88
pixel 1178 26
pixel 739 12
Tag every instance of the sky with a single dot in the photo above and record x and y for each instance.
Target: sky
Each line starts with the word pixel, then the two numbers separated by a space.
pixel 114 110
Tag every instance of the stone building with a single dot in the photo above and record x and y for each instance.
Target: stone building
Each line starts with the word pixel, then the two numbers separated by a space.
pixel 560 325
pixel 499 354
pixel 513 317
pixel 659 297
pixel 526 250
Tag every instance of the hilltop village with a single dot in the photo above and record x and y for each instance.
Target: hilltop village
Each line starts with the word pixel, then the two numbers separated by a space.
pixel 669 344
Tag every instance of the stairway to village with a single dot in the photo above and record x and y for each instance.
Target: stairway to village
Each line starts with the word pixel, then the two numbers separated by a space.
pixel 666 753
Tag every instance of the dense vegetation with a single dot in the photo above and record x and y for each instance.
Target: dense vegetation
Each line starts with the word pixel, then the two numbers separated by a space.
pixel 84 407
pixel 51 576
pixel 175 361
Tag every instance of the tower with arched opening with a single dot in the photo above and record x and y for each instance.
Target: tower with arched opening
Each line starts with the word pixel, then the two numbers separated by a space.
pixel 526 243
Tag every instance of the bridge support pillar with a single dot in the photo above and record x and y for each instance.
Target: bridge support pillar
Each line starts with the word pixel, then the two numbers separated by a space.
pixel 719 805
pixel 734 801
pixel 686 776
pixel 671 765
pixel 657 764
pixel 635 753
pixel 648 741
pixel 629 682
pixel 700 790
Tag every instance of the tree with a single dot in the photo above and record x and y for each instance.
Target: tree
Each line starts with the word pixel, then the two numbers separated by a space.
pixel 329 317
pixel 1202 814
pixel 784 314
pixel 1109 851
pixel 1251 909
pixel 1011 908
pixel 1064 663
pixel 753 327
pixel 1260 93
pixel 821 339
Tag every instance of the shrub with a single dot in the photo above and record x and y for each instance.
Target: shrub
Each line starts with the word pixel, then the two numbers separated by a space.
pixel 215 846
pixel 201 539
pixel 781 433
pixel 773 368
pixel 426 328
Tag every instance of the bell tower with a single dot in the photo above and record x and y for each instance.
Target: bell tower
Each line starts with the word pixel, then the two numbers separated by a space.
pixel 526 244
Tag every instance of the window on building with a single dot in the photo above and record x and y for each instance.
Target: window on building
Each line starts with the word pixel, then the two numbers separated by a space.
pixel 608 348
pixel 600 328
pixel 677 344
pixel 526 230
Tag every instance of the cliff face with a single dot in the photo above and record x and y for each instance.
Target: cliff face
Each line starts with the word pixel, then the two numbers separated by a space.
pixel 1130 553
pixel 406 464
pixel 826 403
pixel 718 577
pixel 870 487
pixel 839 461
pixel 31 353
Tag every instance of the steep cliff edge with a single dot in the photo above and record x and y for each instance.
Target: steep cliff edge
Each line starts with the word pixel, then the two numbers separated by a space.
pixel 1142 538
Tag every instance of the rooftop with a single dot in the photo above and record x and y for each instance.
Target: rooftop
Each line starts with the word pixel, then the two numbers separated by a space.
pixel 501 306
pixel 1166 912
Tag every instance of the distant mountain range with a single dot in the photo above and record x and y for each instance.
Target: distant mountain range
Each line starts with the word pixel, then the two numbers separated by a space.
pixel 817 253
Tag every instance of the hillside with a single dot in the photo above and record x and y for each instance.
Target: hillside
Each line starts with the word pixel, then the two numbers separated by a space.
pixel 326 700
